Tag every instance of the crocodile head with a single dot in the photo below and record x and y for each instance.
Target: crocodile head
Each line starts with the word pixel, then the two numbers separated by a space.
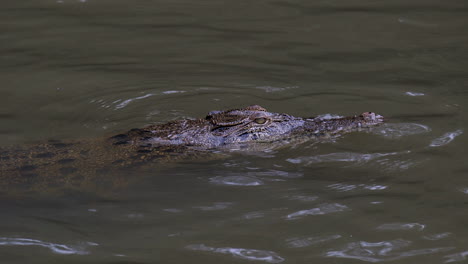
pixel 254 124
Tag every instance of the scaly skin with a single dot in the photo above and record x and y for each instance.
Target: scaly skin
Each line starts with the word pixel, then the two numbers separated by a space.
pixel 98 164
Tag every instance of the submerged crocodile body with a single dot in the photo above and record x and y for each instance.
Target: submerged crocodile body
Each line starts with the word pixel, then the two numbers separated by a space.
pixel 106 162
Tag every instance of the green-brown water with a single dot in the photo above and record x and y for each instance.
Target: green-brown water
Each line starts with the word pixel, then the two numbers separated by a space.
pixel 75 69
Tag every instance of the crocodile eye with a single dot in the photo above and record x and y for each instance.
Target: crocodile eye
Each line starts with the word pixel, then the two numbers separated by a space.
pixel 260 120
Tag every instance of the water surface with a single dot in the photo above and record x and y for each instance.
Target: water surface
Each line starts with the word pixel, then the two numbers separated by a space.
pixel 81 69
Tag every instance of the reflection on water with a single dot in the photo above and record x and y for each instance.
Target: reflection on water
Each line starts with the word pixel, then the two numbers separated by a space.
pixel 74 69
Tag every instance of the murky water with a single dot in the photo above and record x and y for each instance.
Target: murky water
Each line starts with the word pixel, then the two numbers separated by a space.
pixel 77 69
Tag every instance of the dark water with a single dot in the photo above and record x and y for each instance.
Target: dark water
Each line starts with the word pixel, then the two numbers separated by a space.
pixel 74 69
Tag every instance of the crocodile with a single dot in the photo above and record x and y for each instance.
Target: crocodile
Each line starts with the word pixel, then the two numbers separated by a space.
pixel 87 164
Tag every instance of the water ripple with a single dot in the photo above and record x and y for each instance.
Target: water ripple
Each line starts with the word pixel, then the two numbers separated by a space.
pixel 172 210
pixel 445 138
pixel 254 215
pixel 349 187
pixel 236 180
pixel 303 198
pixel 273 89
pixel 458 257
pixel 321 210
pixel 402 226
pixel 56 248
pixel 416 23
pixel 297 242
pixel 398 130
pixel 391 165
pixel 215 206
pixel 250 254
pixel 126 102
pixel 381 251
pixel 342 157
pixel 437 236
pixel 278 173
pixel 254 178
pixel 414 94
